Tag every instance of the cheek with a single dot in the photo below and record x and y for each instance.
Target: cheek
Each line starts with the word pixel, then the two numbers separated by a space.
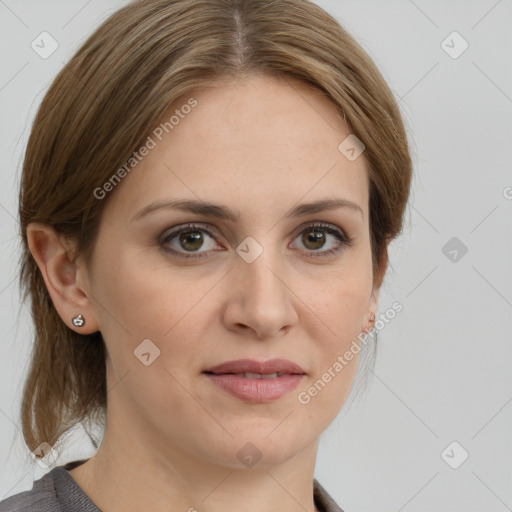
pixel 341 298
pixel 340 307
pixel 137 295
pixel 141 300
pixel 344 306
pixel 141 303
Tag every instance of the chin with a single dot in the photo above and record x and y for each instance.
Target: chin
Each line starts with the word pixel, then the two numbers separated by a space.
pixel 256 448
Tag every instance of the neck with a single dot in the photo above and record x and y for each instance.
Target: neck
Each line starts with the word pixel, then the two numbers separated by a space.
pixel 160 476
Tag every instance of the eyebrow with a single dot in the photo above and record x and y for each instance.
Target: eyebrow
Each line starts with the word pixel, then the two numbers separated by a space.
pixel 225 213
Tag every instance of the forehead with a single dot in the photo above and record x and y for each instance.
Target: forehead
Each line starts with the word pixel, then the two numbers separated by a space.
pixel 260 141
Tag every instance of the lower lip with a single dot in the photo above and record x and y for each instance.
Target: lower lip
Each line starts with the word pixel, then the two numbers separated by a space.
pixel 256 391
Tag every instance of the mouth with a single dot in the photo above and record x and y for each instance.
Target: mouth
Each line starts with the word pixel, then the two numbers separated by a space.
pixel 249 375
pixel 252 369
pixel 256 382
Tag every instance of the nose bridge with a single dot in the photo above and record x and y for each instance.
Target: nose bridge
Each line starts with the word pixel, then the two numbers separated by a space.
pixel 259 270
pixel 259 297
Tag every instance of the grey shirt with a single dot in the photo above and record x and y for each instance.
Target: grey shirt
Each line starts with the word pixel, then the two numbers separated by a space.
pixel 57 491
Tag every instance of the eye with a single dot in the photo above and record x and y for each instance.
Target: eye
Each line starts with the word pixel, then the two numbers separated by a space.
pixel 186 241
pixel 315 237
pixel 191 238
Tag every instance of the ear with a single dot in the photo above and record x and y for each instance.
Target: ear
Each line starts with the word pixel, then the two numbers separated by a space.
pixel 65 279
pixel 377 282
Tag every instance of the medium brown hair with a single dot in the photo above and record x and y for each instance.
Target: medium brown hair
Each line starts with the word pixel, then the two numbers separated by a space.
pixel 105 102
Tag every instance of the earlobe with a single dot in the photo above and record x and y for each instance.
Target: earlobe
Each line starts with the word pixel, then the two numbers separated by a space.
pixel 54 257
pixel 371 321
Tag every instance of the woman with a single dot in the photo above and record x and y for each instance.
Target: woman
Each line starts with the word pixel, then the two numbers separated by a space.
pixel 208 193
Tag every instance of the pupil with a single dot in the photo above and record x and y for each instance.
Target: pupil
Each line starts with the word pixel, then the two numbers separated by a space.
pixel 194 240
pixel 196 237
pixel 315 237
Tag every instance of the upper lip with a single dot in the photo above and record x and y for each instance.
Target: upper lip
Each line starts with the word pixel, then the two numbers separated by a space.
pixel 252 366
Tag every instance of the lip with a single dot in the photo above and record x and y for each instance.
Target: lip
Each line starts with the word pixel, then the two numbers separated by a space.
pixel 256 390
pixel 253 366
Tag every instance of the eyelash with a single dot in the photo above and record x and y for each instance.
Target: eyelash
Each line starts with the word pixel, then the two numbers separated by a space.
pixel 344 240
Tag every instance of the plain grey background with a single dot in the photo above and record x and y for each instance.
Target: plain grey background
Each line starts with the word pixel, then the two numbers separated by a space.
pixel 441 389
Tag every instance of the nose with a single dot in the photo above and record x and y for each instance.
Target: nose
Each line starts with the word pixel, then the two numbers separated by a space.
pixel 259 299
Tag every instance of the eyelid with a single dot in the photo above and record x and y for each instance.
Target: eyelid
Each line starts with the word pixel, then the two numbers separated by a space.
pixel 344 240
pixel 321 225
pixel 336 231
pixel 172 232
pixel 214 231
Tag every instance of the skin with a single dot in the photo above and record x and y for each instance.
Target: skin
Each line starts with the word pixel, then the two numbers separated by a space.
pixel 260 146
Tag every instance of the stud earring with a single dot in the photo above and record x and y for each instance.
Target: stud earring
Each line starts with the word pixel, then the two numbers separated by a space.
pixel 78 320
pixel 366 330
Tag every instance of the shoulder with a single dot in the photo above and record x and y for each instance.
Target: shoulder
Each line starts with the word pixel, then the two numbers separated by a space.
pixel 41 498
pixel 323 500
pixel 56 491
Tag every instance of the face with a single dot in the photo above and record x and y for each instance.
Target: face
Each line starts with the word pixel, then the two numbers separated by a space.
pixel 264 281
